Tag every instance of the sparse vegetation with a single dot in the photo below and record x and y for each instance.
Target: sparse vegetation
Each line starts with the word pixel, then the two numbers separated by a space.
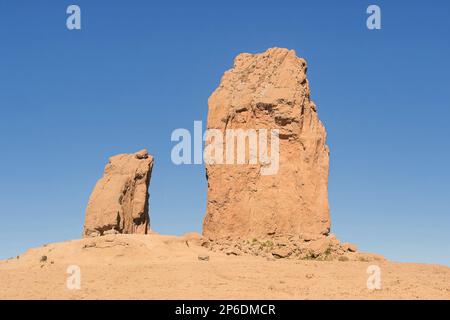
pixel 363 259
pixel 267 243
pixel 309 256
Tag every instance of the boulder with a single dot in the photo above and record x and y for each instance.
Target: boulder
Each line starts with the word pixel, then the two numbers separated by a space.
pixel 349 247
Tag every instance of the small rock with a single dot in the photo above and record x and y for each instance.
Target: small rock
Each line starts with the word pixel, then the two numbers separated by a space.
pixel 203 257
pixel 90 245
pixel 142 154
pixel 232 253
pixel 319 247
pixel 349 247
pixel 111 231
pixel 280 253
pixel 43 259
pixel 93 234
pixel 205 244
pixel 309 237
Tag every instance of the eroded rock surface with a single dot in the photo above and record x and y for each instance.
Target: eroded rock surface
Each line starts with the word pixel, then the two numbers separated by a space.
pixel 119 202
pixel 269 91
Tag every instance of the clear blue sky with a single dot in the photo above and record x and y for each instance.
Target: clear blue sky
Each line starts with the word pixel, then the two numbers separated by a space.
pixel 139 69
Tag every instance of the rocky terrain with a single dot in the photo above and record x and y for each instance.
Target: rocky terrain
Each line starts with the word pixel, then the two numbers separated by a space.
pixel 296 247
pixel 151 266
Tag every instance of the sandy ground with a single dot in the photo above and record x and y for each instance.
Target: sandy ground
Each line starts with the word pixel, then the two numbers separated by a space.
pixel 167 267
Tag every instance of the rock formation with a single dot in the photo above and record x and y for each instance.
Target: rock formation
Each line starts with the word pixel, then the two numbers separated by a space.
pixel 298 247
pixel 119 202
pixel 268 91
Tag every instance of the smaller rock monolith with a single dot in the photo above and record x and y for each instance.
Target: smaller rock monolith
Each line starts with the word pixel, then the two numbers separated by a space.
pixel 119 202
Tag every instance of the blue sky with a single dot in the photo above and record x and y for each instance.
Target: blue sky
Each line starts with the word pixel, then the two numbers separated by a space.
pixel 140 69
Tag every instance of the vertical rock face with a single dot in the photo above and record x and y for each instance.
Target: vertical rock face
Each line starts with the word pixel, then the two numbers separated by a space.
pixel 269 91
pixel 119 202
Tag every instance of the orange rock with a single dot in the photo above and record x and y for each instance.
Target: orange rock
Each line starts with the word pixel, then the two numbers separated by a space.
pixel 119 202
pixel 350 247
pixel 269 91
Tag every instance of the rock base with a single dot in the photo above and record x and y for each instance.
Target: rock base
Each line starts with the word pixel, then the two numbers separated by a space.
pixel 301 247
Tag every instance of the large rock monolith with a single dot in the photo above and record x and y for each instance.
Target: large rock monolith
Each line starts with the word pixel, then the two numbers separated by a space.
pixel 268 91
pixel 119 202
